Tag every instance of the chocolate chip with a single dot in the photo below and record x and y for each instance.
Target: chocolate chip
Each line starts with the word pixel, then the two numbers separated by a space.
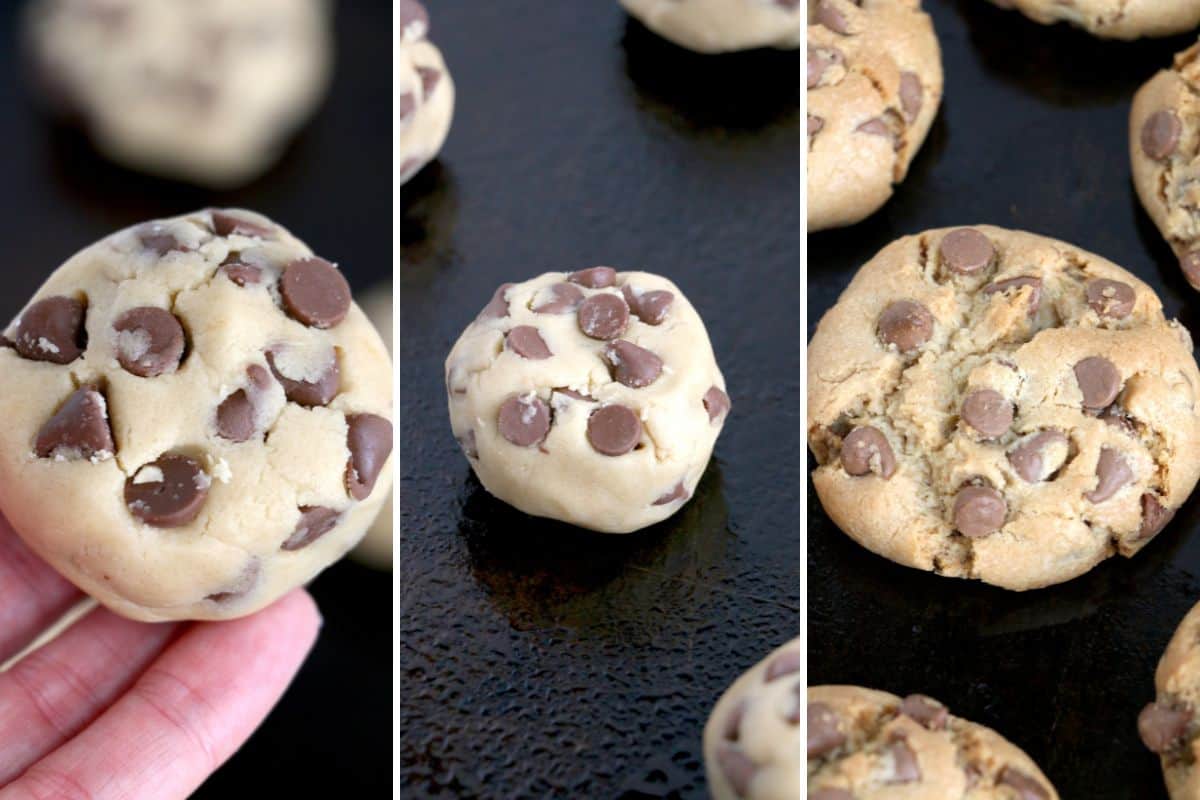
pixel 369 437
pixel 51 330
pixel 525 341
pixel 1028 459
pixel 738 769
pixel 408 104
pixel 467 443
pixel 1099 382
pixel 156 238
pixel 1115 416
pixel 905 324
pixel 731 731
pixel 1035 295
pixel 595 277
pixel 966 251
pixel 315 292
pixel 878 126
pixel 1154 517
pixel 315 522
pixel 79 429
pixel 1112 473
pixel 1112 299
pixel 865 450
pixel 1027 787
pixel 824 730
pixel 168 492
pixel 650 307
pixel 904 761
pixel 1190 264
pixel 524 420
pixel 828 15
pixel 679 492
pixel 716 403
pixel 563 299
pixel 820 59
pixel 497 307
pixel 227 225
pixel 632 366
pixel 244 584
pixel 149 341
pixel 815 124
pixel 430 77
pixel 979 511
pixel 1160 134
pixel 603 316
pixel 830 793
pixel 784 664
pixel 912 95
pixel 571 393
pixel 925 711
pixel 309 393
pixel 614 430
pixel 988 412
pixel 414 20
pixel 240 272
pixel 236 413
pixel 1162 727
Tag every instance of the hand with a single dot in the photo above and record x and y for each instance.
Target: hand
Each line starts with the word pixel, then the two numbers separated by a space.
pixel 121 710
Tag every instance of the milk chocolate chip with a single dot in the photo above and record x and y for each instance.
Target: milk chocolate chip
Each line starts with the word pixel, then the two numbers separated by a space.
pixel 824 731
pixel 679 492
pixel 524 420
pixel 525 341
pixel 315 522
pixel 904 761
pixel 614 430
pixel 1028 459
pixel 1099 382
pixel 1112 299
pixel 1035 294
pixel 168 492
pixel 905 324
pixel 827 14
pixel 78 430
pixel 737 768
pixel 497 307
pixel 1027 788
pixel 650 307
pixel 149 341
pixel 1162 727
pixel 595 277
pixel 866 450
pixel 716 403
pixel 784 664
pixel 1190 264
pixel 225 225
pixel 926 711
pixel 820 59
pixel 1112 473
pixel 912 95
pixel 308 393
pixel 988 412
pixel 632 366
pixel 315 292
pixel 603 316
pixel 1154 517
pixel 369 437
pixel 51 330
pixel 560 298
pixel 966 251
pixel 979 511
pixel 1160 134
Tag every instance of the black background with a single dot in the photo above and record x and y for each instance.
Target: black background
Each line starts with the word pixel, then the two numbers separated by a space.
pixel 539 660
pixel 1033 134
pixel 333 729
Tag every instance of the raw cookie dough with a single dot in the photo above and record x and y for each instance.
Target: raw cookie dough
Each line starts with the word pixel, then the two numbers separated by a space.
pixel 375 549
pixel 869 745
pixel 1169 726
pixel 1163 141
pixel 874 87
pixel 752 739
pixel 196 417
pixel 1113 19
pixel 208 92
pixel 991 404
pixel 591 397
pixel 425 90
pixel 720 26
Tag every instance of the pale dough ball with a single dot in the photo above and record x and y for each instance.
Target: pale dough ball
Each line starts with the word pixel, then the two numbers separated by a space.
pixel 207 91
pixel 425 90
pixel 752 739
pixel 719 26
pixel 197 417
pixel 375 549
pixel 592 398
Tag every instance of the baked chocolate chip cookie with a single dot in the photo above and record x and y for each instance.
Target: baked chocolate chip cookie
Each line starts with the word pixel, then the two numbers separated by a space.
pixel 997 405
pixel 869 745
pixel 1169 726
pixel 1113 19
pixel 874 87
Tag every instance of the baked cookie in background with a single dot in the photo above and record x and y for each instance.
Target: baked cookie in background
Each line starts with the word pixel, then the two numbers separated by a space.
pixel 1169 725
pixel 425 90
pixel 1163 141
pixel 992 404
pixel 206 92
pixel 720 26
pixel 874 86
pixel 1113 19
pixel 590 397
pixel 865 744
pixel 375 549
pixel 197 418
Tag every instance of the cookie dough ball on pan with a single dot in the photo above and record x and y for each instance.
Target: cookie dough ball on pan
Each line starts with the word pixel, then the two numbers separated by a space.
pixel 874 87
pixel 591 397
pixel 868 744
pixel 992 404
pixel 207 92
pixel 1169 726
pixel 425 90
pixel 197 417
pixel 1113 19
pixel 719 26
pixel 752 739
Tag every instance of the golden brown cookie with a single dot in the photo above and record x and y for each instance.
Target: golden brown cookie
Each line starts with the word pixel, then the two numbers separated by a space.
pixel 1113 19
pixel 1168 726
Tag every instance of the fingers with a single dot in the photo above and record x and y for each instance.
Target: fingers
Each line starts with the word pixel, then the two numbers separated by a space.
pixel 51 694
pixel 32 595
pixel 197 703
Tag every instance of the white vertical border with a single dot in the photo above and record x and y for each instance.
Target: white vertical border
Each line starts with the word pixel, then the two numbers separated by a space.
pixel 803 455
pixel 395 407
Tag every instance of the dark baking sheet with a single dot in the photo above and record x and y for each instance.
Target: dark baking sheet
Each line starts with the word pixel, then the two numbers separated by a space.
pixel 1032 135
pixel 332 731
pixel 539 660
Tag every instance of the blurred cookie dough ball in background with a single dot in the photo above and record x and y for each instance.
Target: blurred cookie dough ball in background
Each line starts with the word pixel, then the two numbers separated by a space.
pixel 206 91
pixel 425 90
pixel 375 550
pixel 720 26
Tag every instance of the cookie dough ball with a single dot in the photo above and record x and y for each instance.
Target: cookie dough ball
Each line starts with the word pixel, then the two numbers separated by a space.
pixel 991 404
pixel 196 417
pixel 1163 137
pixel 591 397
pixel 207 92
pixel 425 90
pixel 869 745
pixel 752 739
pixel 874 87
pixel 1113 19
pixel 719 26
pixel 375 549
pixel 1169 726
